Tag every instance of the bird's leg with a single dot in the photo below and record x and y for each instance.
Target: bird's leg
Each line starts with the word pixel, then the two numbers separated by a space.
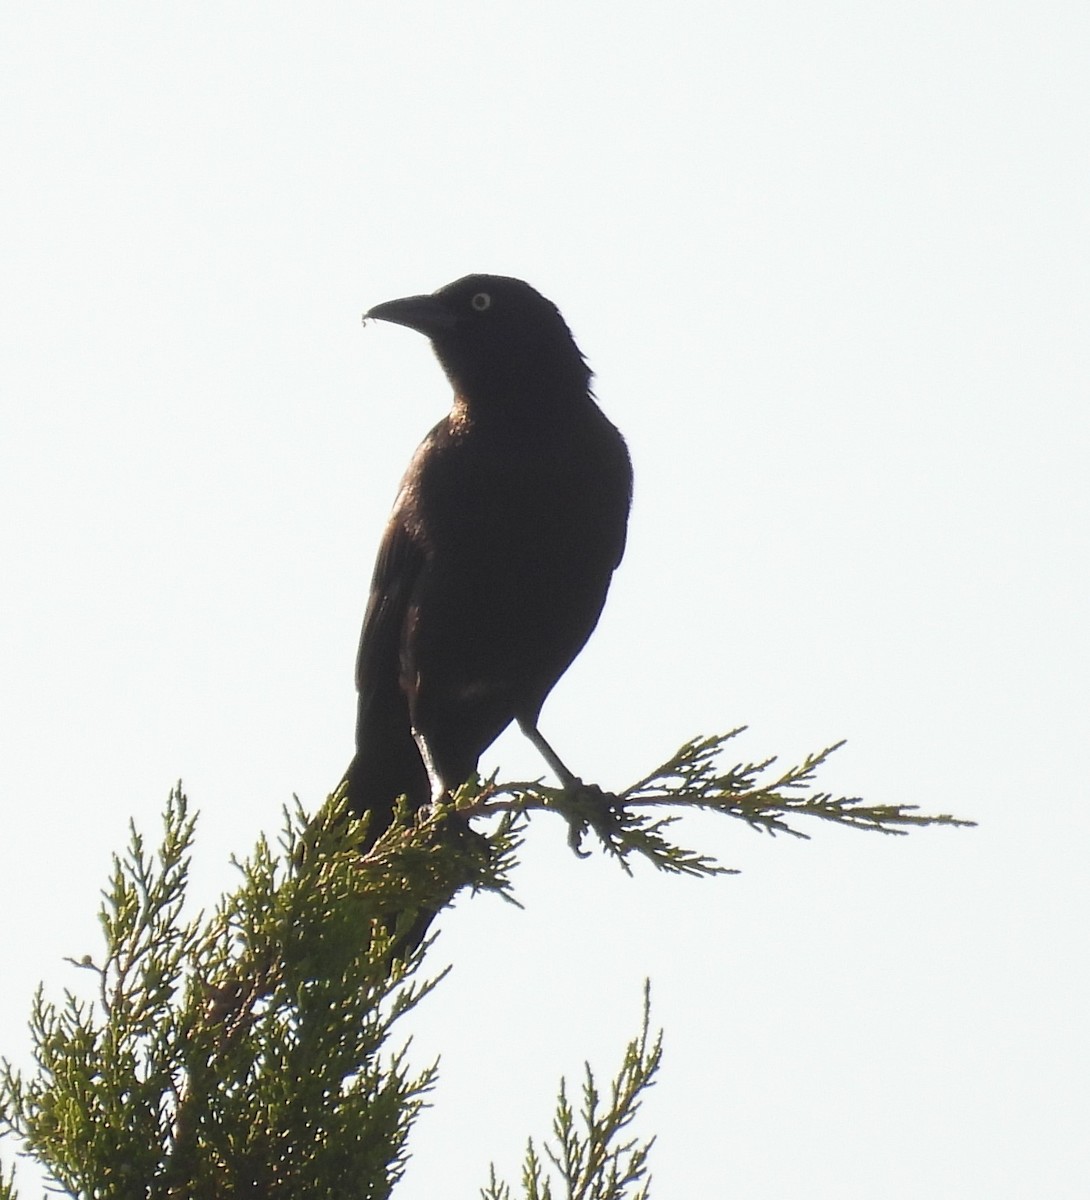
pixel 438 787
pixel 456 828
pixel 588 808
pixel 570 782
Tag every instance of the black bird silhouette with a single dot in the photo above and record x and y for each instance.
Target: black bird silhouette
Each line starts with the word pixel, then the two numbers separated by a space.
pixel 499 551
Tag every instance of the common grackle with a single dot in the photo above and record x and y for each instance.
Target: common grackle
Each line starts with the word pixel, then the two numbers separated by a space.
pixel 497 557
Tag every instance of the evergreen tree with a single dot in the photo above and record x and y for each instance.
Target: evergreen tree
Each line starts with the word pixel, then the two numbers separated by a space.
pixel 251 1052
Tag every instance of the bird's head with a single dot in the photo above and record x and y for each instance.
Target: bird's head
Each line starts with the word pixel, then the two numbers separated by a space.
pixel 497 339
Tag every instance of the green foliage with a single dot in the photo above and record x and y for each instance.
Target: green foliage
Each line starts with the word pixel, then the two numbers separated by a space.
pixel 588 1152
pixel 627 823
pixel 246 1052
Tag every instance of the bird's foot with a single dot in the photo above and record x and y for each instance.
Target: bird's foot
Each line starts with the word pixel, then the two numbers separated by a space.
pixel 585 806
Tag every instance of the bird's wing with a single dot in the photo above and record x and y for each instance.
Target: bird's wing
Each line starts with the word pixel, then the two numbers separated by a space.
pixel 397 569
pixel 387 762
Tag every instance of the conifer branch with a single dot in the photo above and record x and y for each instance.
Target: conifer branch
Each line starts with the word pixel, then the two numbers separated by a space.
pixel 593 1158
pixel 245 1052
pixel 626 823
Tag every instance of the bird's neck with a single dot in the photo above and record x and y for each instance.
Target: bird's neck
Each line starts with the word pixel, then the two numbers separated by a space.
pixel 523 412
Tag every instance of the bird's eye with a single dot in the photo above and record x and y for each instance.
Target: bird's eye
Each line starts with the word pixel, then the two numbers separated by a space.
pixel 481 301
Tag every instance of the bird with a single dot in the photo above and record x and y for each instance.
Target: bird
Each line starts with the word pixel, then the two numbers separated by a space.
pixel 499 551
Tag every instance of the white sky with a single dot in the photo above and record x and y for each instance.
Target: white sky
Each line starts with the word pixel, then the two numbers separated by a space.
pixel 830 263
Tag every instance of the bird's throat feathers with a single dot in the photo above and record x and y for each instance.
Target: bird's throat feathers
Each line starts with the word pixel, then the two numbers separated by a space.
pixel 459 417
pixel 516 383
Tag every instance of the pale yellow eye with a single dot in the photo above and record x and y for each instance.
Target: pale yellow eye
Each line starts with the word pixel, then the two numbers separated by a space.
pixel 481 301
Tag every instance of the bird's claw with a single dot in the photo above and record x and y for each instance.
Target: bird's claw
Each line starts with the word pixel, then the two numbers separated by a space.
pixel 588 807
pixel 576 829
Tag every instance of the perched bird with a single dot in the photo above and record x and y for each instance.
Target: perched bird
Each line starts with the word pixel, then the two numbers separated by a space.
pixel 499 551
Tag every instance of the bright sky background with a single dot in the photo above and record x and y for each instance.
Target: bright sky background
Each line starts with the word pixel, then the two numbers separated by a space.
pixel 830 264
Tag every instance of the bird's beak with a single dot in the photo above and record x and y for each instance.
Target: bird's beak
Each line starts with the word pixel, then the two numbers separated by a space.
pixel 426 314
